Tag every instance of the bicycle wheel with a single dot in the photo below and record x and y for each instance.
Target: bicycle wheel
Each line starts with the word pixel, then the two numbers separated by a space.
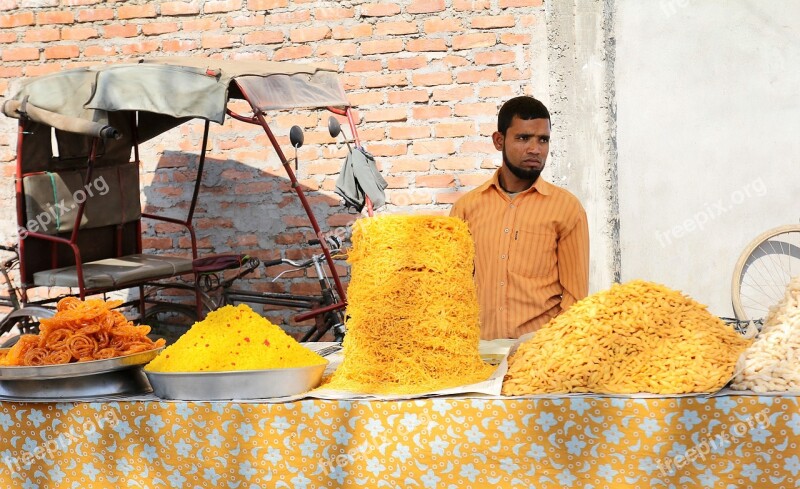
pixel 22 321
pixel 17 327
pixel 763 270
pixel 169 321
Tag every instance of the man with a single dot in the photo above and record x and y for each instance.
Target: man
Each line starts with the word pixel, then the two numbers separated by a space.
pixel 531 237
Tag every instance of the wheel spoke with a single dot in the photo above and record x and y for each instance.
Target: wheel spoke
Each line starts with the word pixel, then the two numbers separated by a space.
pixel 766 270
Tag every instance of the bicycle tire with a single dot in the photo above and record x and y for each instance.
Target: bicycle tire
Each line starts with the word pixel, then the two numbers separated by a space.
pixel 746 307
pixel 169 321
pixel 23 325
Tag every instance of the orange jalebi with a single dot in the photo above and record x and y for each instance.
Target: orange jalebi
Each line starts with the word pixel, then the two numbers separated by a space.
pixel 103 339
pixel 35 356
pixel 55 339
pixel 135 348
pixel 81 346
pixel 81 331
pixel 58 357
pixel 68 303
pixel 106 353
pixel 17 353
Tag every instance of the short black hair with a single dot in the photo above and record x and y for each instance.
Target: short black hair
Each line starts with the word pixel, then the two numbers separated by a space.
pixel 524 107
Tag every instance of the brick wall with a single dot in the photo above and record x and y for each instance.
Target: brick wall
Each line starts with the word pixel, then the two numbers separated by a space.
pixel 427 78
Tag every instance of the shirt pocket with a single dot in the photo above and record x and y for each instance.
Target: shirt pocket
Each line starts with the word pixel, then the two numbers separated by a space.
pixel 533 253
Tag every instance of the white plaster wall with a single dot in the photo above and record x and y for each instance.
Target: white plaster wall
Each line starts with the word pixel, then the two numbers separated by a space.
pixel 708 135
pixel 579 94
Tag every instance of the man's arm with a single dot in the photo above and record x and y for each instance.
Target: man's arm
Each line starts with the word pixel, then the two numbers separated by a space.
pixel 573 262
pixel 457 210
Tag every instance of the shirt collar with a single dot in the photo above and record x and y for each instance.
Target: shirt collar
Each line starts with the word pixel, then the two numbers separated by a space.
pixel 540 185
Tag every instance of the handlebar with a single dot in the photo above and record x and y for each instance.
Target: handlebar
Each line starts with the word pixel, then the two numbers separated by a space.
pixel 294 263
pixel 334 242
pixel 297 263
pixel 334 245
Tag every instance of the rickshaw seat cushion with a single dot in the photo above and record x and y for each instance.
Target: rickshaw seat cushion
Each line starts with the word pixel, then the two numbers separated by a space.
pixel 218 263
pixel 112 273
pixel 52 198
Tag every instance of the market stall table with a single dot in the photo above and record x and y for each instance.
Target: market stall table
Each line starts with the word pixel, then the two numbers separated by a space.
pixel 583 441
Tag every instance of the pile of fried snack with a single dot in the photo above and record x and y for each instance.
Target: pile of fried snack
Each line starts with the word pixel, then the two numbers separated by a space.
pixel 413 323
pixel 772 362
pixel 635 337
pixel 233 338
pixel 80 331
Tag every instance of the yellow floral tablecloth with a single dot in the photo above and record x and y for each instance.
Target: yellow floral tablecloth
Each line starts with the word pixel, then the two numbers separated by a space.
pixel 581 442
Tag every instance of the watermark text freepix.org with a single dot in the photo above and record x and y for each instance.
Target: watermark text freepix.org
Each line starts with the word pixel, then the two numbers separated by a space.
pixel 670 7
pixel 360 452
pixel 52 446
pixel 709 212
pixel 670 465
pixel 54 212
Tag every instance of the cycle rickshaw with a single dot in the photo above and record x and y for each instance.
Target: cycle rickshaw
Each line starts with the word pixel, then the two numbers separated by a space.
pixel 77 168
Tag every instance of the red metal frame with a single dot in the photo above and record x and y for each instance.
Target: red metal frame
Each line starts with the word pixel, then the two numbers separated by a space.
pixel 83 291
pixel 346 112
pixel 20 204
pixel 258 119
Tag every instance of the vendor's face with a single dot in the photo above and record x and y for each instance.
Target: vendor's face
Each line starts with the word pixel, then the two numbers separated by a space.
pixel 525 146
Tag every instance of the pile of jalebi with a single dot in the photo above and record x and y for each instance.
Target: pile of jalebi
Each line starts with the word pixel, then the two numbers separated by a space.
pixel 81 331
pixel 635 337
pixel 413 322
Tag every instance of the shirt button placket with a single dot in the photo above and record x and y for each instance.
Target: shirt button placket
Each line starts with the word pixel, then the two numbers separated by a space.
pixel 508 226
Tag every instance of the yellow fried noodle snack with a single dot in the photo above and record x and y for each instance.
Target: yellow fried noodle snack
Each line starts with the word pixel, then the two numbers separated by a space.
pixel 635 337
pixel 413 322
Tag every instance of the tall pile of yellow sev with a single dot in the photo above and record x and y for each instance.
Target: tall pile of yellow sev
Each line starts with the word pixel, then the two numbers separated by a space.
pixel 233 338
pixel 413 322
pixel 635 337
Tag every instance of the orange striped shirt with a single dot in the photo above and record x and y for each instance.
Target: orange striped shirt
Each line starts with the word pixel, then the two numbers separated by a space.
pixel 531 254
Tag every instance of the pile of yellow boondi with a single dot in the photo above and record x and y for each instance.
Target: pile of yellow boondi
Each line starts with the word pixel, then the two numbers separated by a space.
pixel 233 338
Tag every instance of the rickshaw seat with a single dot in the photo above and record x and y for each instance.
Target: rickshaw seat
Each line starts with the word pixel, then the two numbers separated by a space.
pixel 109 237
pixel 112 273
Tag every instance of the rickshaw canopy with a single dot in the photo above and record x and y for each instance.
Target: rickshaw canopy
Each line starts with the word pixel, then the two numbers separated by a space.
pixel 168 91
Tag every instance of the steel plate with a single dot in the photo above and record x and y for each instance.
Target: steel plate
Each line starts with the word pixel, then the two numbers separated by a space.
pixel 125 382
pixel 245 384
pixel 78 369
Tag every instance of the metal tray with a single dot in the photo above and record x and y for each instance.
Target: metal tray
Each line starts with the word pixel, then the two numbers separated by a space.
pixel 125 382
pixel 245 384
pixel 78 369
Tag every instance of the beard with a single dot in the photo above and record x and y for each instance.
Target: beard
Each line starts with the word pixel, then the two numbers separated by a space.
pixel 519 172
